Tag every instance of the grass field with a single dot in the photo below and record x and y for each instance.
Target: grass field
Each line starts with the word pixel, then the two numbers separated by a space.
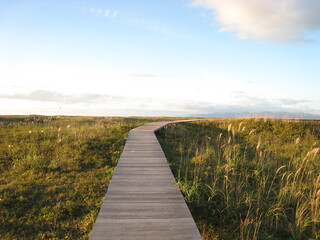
pixel 249 178
pixel 242 179
pixel 54 173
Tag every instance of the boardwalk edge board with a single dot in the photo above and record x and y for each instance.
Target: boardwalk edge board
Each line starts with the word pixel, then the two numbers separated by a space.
pixel 143 200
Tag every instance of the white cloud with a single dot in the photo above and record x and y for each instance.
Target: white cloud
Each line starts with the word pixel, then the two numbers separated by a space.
pixel 53 96
pixel 99 11
pixel 245 105
pixel 280 20
pixel 47 102
pixel 288 101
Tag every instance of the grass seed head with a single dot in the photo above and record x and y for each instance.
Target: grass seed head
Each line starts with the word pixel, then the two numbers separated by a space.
pixel 252 131
pixel 280 168
pixel 258 145
pixel 233 132
pixel 315 151
pixel 240 125
pixel 219 136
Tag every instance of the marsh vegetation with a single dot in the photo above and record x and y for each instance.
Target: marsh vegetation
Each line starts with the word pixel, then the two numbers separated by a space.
pixel 54 173
pixel 242 179
pixel 249 178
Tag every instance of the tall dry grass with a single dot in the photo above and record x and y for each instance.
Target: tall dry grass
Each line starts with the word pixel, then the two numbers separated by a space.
pixel 250 178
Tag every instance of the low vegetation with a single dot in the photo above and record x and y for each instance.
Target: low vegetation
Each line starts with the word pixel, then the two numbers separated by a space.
pixel 249 178
pixel 54 173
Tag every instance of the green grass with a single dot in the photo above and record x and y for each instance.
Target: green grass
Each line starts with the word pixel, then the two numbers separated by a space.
pixel 249 178
pixel 54 173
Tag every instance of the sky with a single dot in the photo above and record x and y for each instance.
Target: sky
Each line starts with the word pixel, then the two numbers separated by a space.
pixel 159 58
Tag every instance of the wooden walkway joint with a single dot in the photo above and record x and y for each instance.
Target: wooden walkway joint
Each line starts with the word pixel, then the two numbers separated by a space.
pixel 143 201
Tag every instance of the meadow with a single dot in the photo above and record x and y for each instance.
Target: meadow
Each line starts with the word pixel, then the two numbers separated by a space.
pixel 54 173
pixel 248 178
pixel 242 178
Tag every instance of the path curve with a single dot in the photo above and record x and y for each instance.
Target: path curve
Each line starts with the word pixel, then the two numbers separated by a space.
pixel 143 200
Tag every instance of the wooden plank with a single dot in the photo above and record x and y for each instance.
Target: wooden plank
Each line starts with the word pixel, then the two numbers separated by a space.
pixel 143 200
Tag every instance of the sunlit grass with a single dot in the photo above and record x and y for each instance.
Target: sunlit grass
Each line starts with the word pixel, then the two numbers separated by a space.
pixel 249 179
pixel 54 173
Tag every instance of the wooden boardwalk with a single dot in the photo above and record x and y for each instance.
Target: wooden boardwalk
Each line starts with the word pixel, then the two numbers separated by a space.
pixel 143 201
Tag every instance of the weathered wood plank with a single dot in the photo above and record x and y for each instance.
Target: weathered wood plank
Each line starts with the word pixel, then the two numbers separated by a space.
pixel 143 201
